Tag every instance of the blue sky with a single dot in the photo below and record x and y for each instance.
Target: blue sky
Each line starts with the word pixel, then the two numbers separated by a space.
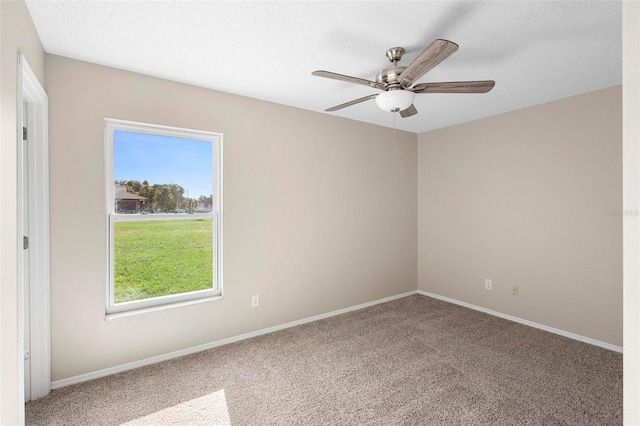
pixel 164 159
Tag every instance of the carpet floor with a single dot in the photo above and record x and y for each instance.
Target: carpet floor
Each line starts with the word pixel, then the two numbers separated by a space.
pixel 411 361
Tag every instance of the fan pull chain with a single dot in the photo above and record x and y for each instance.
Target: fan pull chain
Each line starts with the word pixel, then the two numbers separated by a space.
pixel 394 135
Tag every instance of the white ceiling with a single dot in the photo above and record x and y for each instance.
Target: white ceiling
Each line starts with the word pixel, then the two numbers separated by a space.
pixel 535 51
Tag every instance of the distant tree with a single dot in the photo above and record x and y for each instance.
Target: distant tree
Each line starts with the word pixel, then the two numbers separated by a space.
pixel 134 186
pixel 162 198
pixel 205 200
pixel 149 193
pixel 178 193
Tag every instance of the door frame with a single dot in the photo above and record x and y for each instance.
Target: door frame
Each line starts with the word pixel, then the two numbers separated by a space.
pixel 31 91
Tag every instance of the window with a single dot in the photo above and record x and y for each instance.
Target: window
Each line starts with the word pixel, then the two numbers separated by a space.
pixel 164 215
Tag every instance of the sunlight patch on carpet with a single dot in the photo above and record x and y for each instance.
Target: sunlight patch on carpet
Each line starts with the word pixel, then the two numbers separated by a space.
pixel 207 410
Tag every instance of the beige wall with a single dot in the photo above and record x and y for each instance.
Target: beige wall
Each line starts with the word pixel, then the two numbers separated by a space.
pixel 320 214
pixel 522 198
pixel 17 35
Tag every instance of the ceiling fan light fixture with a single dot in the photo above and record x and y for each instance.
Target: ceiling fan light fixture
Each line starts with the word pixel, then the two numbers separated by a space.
pixel 395 100
pixel 395 81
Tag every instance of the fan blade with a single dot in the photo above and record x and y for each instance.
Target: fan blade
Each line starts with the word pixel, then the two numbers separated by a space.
pixel 432 55
pixel 349 79
pixel 409 111
pixel 455 87
pixel 346 104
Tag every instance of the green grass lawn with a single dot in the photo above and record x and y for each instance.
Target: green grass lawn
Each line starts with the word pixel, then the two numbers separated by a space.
pixel 159 258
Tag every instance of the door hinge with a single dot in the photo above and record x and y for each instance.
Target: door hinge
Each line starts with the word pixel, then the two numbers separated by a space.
pixel 24 133
pixel 27 354
pixel 25 242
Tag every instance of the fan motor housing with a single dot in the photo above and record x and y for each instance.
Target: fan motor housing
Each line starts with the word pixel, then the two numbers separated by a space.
pixel 390 75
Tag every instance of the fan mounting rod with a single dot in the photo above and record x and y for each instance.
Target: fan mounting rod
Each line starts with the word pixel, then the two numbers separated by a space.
pixel 391 76
pixel 395 54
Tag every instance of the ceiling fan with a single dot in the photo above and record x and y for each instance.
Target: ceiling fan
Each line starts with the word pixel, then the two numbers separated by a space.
pixel 395 81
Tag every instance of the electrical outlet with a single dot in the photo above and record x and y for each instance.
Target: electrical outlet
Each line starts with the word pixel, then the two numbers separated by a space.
pixel 255 300
pixel 515 290
pixel 488 284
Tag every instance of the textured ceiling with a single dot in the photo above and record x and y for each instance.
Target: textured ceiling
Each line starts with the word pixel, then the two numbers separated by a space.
pixel 535 51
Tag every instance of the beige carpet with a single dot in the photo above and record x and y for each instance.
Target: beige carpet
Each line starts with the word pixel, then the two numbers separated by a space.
pixel 413 361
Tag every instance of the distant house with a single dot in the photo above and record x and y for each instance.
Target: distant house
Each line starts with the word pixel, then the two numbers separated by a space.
pixel 203 206
pixel 126 202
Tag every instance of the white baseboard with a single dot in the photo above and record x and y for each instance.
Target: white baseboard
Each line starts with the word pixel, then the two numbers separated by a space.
pixel 526 322
pixel 188 351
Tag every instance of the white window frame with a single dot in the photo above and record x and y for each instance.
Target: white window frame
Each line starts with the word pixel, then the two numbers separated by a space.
pixel 115 309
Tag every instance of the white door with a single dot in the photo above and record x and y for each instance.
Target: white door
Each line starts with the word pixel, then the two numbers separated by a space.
pixel 25 254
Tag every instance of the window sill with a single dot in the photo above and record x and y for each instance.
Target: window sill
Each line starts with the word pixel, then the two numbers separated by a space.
pixel 161 307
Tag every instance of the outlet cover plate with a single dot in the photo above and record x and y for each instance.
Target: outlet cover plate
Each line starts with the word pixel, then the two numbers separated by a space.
pixel 488 284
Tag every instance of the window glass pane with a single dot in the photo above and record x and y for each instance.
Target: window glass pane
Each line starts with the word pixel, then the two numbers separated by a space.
pixel 161 174
pixel 161 258
pixel 156 258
